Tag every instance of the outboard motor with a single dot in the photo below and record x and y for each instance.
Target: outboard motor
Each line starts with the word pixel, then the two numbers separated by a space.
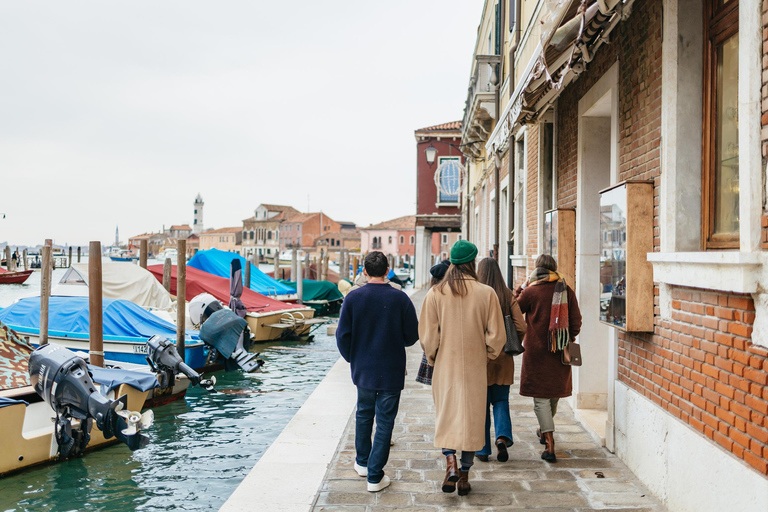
pixel 225 332
pixel 166 362
pixel 61 378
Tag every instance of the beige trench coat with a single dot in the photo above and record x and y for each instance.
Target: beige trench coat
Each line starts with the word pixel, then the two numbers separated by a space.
pixel 459 335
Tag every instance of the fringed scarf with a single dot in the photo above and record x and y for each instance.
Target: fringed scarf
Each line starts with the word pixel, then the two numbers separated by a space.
pixel 558 318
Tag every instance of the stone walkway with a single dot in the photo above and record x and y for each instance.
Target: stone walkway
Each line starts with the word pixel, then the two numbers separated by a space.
pixel 585 477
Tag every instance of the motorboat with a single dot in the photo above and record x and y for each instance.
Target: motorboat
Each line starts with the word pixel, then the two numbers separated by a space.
pixel 322 296
pixel 18 277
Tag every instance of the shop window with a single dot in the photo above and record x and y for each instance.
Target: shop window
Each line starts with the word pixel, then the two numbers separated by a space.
pixel 720 157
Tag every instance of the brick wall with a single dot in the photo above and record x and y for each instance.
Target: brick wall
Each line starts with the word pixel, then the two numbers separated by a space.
pixel 532 195
pixel 764 118
pixel 701 367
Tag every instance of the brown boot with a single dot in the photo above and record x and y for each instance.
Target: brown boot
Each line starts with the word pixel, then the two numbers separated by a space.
pixel 463 484
pixel 451 474
pixel 549 454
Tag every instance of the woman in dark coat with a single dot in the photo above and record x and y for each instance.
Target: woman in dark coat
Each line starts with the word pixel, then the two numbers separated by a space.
pixel 554 320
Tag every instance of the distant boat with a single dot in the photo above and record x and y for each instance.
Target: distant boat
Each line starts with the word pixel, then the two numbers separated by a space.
pixel 173 254
pixel 118 254
pixel 14 277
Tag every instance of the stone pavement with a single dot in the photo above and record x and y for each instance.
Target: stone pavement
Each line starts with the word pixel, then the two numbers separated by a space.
pixel 585 476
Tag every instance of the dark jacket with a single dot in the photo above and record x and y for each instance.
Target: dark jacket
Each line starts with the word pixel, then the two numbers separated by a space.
pixel 543 374
pixel 376 323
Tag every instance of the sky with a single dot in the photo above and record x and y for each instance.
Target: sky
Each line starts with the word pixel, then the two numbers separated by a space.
pixel 120 113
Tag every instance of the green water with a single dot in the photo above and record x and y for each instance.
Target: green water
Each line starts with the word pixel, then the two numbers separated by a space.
pixel 201 447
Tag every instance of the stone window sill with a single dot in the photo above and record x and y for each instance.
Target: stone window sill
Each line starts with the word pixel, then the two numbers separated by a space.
pixel 728 271
pixel 518 260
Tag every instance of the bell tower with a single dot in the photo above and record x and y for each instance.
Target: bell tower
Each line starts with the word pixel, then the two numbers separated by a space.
pixel 197 226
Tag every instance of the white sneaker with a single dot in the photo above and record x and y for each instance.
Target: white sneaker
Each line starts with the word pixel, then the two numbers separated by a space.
pixel 383 484
pixel 361 470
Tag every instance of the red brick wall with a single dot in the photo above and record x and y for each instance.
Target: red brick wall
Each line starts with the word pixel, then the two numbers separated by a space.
pixel 701 367
pixel 532 194
pixel 764 119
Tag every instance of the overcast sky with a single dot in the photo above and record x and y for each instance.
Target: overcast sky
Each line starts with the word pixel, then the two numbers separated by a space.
pixel 119 113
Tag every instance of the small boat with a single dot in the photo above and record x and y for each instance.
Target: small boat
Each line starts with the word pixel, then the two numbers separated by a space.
pixel 168 253
pixel 268 319
pixel 30 437
pixel 218 263
pixel 14 277
pixel 118 254
pixel 322 296
pixel 127 327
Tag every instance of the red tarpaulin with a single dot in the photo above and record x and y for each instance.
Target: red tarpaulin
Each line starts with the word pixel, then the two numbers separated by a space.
pixel 202 282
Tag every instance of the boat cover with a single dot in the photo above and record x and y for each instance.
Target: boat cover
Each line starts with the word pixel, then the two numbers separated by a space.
pixel 118 281
pixel 68 316
pixel 318 290
pixel 225 327
pixel 217 262
pixel 14 357
pixel 202 282
pixel 4 402
pixel 111 378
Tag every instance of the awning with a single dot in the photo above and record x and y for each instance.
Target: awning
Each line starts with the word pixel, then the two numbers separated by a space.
pixel 572 31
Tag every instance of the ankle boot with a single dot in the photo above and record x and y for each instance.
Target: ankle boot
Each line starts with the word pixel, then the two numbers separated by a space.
pixel 549 454
pixel 463 484
pixel 451 474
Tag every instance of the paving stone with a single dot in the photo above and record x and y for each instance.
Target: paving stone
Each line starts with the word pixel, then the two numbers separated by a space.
pixel 491 500
pixel 551 499
pixel 498 474
pixel 404 475
pixel 554 486
pixel 346 498
pixel 425 464
pixel 333 508
pixel 486 486
pixel 607 473
pixel 557 475
pixel 602 485
pixel 394 499
pixel 621 499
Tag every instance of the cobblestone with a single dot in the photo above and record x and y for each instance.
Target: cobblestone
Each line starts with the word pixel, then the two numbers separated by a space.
pixel 417 468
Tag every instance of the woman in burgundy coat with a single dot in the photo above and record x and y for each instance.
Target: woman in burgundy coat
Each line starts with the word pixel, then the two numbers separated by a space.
pixel 554 320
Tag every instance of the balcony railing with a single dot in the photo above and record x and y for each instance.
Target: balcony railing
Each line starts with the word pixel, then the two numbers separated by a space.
pixel 480 108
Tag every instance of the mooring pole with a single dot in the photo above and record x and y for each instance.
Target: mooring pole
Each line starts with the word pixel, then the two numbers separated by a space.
pixel 143 256
pixel 95 311
pixel 78 254
pixel 247 276
pixel 167 274
pixel 299 281
pixel 8 257
pixel 24 255
pixel 45 291
pixel 70 256
pixel 294 265
pixel 181 294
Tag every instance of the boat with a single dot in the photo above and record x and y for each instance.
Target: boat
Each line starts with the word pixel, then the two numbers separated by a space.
pixel 173 254
pixel 19 277
pixel 322 296
pixel 127 327
pixel 268 319
pixel 28 434
pixel 118 254
pixel 218 263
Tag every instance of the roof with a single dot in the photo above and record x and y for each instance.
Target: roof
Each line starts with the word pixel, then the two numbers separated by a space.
pixel 278 208
pixel 451 126
pixel 303 217
pixel 181 227
pixel 236 229
pixel 407 222
pixel 143 235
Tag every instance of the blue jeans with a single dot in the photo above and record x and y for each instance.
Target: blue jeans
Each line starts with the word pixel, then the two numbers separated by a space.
pixel 498 397
pixel 383 406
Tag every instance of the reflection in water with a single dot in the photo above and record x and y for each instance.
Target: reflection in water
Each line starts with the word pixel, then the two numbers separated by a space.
pixel 200 450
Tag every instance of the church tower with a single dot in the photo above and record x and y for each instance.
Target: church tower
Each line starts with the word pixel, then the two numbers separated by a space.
pixel 197 226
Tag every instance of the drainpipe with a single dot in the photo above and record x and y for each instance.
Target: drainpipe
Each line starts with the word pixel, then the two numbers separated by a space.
pixel 497 161
pixel 511 163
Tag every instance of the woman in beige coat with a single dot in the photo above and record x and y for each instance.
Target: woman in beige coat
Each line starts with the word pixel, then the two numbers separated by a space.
pixel 460 329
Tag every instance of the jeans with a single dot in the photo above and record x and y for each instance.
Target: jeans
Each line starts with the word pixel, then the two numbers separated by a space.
pixel 467 458
pixel 545 409
pixel 383 406
pixel 498 397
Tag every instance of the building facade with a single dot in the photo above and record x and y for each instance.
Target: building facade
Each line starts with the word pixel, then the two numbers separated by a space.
pixel 385 237
pixel 261 233
pixel 629 140
pixel 224 239
pixel 302 230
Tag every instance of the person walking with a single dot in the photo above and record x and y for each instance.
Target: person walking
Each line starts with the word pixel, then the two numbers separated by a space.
pixel 554 320
pixel 424 375
pixel 461 328
pixel 501 371
pixel 376 324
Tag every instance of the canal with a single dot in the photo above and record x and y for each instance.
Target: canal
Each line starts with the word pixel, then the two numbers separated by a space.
pixel 201 447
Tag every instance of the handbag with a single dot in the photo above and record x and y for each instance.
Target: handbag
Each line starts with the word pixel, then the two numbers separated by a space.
pixel 513 346
pixel 571 354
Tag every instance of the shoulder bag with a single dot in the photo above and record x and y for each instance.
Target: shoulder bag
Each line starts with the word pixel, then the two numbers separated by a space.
pixel 571 354
pixel 514 345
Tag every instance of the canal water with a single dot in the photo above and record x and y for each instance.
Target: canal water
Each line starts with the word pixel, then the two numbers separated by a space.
pixel 201 447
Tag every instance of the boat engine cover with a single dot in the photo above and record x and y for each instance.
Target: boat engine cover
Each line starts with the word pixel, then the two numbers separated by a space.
pixel 222 331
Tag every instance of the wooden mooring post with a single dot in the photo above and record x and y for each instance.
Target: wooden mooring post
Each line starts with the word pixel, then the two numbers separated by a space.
pixel 70 256
pixel 45 291
pixel 143 256
pixel 247 274
pixel 167 274
pixel 78 254
pixel 295 265
pixel 306 266
pixel 355 267
pixel 299 280
pixel 24 257
pixel 95 314
pixel 181 294
pixel 8 257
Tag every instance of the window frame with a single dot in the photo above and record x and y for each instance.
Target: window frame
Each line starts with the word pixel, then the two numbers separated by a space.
pixel 440 203
pixel 720 23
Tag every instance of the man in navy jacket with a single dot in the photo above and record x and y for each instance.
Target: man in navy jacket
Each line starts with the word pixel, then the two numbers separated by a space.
pixel 376 323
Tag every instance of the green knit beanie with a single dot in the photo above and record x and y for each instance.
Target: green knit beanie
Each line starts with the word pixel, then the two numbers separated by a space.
pixel 463 252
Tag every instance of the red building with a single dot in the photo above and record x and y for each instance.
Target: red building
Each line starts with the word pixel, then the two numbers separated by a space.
pixel 438 208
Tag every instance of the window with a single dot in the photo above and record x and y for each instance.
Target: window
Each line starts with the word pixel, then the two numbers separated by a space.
pixel 390 239
pixel 720 157
pixel 518 205
pixel 445 239
pixel 251 237
pixel 450 176
pixel 413 239
pixel 402 239
pixel 269 235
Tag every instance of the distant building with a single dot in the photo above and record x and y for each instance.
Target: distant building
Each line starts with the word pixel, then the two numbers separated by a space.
pixel 386 237
pixel 261 233
pixel 179 232
pixel 197 223
pixel 224 239
pixel 303 229
pixel 193 244
pixel 156 242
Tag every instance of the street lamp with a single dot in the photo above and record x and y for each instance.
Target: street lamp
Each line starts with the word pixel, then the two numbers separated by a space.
pixel 431 153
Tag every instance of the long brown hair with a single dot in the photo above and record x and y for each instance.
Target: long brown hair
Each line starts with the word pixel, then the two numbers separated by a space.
pixel 455 278
pixel 488 272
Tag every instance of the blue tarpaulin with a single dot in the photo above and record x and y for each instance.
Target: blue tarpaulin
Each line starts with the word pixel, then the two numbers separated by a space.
pixel 4 402
pixel 68 317
pixel 111 378
pixel 218 263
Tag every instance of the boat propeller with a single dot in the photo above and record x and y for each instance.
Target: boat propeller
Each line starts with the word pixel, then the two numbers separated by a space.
pixel 207 384
pixel 136 421
pixel 165 360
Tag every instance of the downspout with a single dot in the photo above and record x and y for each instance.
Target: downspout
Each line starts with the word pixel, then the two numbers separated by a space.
pixel 497 161
pixel 512 149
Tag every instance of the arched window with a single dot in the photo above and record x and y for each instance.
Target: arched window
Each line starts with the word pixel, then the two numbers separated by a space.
pixel 390 239
pixel 412 239
pixel 402 239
